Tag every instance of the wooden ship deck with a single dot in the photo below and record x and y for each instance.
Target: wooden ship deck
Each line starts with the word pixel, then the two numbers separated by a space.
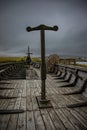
pixel 19 107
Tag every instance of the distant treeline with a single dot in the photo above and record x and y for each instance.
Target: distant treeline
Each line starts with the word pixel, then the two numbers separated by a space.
pixel 12 59
pixel 17 59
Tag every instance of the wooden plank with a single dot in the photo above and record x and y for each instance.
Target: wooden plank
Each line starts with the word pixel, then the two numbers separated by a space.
pixel 33 95
pixel 64 119
pixel 79 117
pixel 14 117
pixel 81 112
pixel 84 109
pixel 38 121
pixel 73 120
pixel 55 119
pixel 30 121
pixel 38 85
pixel 6 93
pixel 79 97
pixel 21 124
pixel 28 96
pixel 24 88
pixel 47 120
pixel 4 121
pixel 6 118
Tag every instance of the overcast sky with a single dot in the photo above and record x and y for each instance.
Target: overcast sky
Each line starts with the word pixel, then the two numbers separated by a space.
pixel 69 15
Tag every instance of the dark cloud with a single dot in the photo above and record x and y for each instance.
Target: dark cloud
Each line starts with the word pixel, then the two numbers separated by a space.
pixel 69 15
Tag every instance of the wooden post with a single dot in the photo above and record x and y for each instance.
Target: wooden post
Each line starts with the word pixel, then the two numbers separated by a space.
pixel 43 66
pixel 42 101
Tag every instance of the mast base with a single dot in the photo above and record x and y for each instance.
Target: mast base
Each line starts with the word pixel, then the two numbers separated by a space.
pixel 43 103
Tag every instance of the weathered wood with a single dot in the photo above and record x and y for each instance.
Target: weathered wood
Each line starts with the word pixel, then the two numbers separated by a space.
pixel 30 121
pixel 77 105
pixel 73 120
pixel 65 119
pixel 79 118
pixel 39 121
pixel 11 111
pixel 14 117
pixel 33 118
pixel 55 119
pixel 47 120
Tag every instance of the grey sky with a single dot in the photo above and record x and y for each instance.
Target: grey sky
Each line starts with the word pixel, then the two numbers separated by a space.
pixel 69 15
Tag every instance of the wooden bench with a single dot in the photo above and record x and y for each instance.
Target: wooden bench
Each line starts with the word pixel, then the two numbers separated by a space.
pixel 12 71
